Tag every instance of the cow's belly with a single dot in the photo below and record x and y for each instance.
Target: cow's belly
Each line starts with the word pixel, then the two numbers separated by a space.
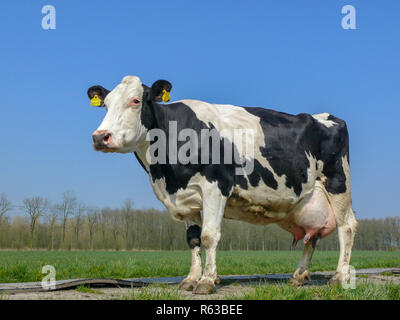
pixel 261 204
pixel 257 212
pixel 310 215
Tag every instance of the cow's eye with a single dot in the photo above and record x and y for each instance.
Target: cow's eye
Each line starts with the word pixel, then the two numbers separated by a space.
pixel 134 102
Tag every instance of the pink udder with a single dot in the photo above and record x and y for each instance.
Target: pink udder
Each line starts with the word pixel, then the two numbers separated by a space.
pixel 298 233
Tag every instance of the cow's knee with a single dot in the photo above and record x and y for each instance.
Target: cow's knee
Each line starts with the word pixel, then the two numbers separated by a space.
pixel 193 236
pixel 209 240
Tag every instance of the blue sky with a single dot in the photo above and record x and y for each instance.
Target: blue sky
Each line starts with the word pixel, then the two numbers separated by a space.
pixel 292 56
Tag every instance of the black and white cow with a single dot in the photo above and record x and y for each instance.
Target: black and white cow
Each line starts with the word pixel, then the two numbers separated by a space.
pixel 300 176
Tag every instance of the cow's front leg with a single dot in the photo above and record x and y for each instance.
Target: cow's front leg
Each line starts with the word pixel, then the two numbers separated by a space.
pixel 193 234
pixel 213 212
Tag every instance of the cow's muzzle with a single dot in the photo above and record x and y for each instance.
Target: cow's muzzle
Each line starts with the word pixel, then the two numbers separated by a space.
pixel 102 140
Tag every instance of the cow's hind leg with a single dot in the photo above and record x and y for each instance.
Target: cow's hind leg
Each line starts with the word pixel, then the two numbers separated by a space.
pixel 213 211
pixel 193 235
pixel 346 230
pixel 302 272
pixel 346 224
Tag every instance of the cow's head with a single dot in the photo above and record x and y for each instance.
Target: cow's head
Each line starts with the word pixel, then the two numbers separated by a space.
pixel 122 128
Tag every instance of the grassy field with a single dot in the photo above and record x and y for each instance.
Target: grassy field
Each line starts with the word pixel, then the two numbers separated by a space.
pixel 26 266
pixel 281 291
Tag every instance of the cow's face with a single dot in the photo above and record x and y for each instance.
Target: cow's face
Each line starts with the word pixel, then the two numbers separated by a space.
pixel 122 129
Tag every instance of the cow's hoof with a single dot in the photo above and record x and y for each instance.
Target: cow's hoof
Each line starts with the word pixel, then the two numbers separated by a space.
pixel 188 284
pixel 204 287
pixel 299 279
pixel 338 278
pixel 296 282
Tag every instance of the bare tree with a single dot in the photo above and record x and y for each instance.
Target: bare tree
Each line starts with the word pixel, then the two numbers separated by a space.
pixel 127 220
pixel 52 219
pixel 5 205
pixel 115 220
pixel 79 217
pixel 103 221
pixel 34 207
pixel 92 218
pixel 65 209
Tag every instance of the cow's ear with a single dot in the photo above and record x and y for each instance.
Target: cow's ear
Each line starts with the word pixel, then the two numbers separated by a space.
pixel 97 94
pixel 160 90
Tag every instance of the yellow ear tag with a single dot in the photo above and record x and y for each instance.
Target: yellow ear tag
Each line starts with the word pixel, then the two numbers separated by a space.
pixel 165 96
pixel 95 101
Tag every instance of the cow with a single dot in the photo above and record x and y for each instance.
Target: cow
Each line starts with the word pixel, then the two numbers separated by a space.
pixel 299 177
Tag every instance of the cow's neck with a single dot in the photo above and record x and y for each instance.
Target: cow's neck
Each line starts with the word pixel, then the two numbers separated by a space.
pixel 152 117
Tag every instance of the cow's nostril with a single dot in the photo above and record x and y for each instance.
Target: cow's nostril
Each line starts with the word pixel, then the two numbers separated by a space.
pixel 101 139
pixel 106 138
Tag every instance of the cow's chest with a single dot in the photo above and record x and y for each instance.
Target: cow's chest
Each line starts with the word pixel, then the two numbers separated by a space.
pixel 181 204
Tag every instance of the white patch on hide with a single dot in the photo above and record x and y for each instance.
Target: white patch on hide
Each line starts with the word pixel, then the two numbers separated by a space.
pixel 323 118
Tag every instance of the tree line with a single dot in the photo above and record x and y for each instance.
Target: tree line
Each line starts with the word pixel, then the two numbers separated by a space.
pixel 71 225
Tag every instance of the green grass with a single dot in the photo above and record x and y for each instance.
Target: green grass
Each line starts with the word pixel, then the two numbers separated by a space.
pixel 26 266
pixel 281 291
pixel 363 291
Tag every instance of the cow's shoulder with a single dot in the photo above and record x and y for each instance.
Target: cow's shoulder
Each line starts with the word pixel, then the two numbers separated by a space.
pixel 202 107
pixel 219 116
